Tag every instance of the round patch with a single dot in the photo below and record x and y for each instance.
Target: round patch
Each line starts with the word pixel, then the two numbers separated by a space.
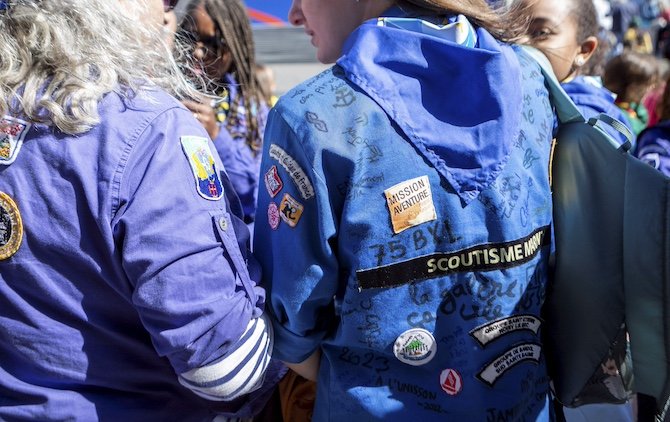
pixel 451 382
pixel 273 216
pixel 11 227
pixel 415 347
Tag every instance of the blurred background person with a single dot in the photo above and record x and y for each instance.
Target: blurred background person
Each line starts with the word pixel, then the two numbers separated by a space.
pixel 653 146
pixel 652 100
pixel 631 76
pixel 223 58
pixel 637 39
pixel 266 81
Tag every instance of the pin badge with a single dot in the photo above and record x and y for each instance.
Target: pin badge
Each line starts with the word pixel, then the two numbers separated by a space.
pixel 11 227
pixel 415 347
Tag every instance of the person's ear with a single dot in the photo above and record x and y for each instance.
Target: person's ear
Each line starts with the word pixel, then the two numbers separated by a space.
pixel 586 50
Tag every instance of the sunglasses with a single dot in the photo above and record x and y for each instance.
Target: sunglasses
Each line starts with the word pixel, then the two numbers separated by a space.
pixel 210 46
pixel 169 4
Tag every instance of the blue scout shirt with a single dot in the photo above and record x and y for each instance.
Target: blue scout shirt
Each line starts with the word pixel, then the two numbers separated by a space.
pixel 408 207
pixel 241 161
pixel 123 271
pixel 592 98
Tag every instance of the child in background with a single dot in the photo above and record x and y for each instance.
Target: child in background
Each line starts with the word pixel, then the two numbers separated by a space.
pixel 630 76
pixel 653 146
pixel 652 101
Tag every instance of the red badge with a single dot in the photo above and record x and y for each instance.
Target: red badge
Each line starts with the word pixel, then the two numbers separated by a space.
pixel 273 182
pixel 273 216
pixel 451 382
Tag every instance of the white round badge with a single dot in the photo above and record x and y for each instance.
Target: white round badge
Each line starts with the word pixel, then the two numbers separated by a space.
pixel 415 347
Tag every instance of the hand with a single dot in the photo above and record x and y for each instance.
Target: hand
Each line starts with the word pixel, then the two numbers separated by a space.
pixel 205 115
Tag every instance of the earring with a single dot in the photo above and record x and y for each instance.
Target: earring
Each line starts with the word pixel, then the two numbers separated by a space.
pixel 579 61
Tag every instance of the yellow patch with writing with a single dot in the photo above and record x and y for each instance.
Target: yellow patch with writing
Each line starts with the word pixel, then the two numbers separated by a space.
pixel 410 203
pixel 11 227
pixel 290 210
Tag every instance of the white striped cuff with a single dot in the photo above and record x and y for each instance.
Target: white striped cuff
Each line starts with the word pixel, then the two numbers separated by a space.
pixel 239 372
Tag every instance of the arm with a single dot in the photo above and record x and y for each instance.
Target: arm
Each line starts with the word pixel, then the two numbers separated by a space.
pixel 309 368
pixel 180 252
pixel 293 243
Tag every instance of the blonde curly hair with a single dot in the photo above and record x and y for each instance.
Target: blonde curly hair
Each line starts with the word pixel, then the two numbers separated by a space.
pixel 58 58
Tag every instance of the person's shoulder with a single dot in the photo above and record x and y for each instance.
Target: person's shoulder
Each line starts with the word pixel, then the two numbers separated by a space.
pixel 301 93
pixel 151 115
pixel 148 99
pixel 132 110
pixel 325 94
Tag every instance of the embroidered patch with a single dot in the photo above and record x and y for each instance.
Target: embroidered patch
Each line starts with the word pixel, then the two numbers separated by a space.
pixel 200 157
pixel 294 170
pixel 484 257
pixel 410 203
pixel 489 332
pixel 11 227
pixel 512 357
pixel 290 210
pixel 273 182
pixel 12 133
pixel 451 381
pixel 415 347
pixel 273 216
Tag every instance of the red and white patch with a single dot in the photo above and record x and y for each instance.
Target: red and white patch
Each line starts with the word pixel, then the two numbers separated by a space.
pixel 273 216
pixel 12 133
pixel 451 382
pixel 273 182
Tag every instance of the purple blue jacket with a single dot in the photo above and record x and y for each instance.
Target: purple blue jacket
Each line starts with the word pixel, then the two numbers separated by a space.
pixel 125 279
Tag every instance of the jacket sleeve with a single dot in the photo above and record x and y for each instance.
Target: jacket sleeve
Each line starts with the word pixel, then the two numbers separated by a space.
pixel 294 241
pixel 653 147
pixel 180 249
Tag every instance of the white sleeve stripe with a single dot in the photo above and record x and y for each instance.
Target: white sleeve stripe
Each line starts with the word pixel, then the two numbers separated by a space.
pixel 251 383
pixel 238 373
pixel 216 396
pixel 242 382
pixel 255 379
pixel 252 357
pixel 220 368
